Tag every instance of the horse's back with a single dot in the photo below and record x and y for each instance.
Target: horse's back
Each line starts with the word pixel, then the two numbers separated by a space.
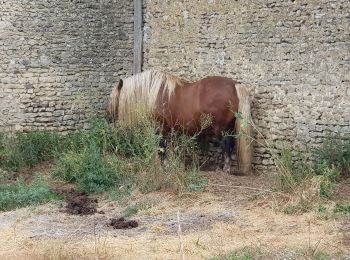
pixel 215 96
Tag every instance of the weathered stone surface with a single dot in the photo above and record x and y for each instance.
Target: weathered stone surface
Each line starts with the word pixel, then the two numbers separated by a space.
pixel 294 54
pixel 58 56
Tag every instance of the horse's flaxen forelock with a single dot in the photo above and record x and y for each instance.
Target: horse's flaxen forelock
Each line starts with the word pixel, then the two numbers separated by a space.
pixel 138 96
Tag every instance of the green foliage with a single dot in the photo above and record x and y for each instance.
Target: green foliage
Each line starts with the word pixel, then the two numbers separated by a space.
pixel 28 149
pixel 183 163
pixel 309 183
pixel 139 206
pixel 130 211
pixel 100 134
pixel 334 153
pixel 320 255
pixel 89 169
pixel 302 206
pixel 19 194
pixel 137 141
pixel 342 209
pixel 196 182
pixel 107 157
pixel 293 171
pixel 248 253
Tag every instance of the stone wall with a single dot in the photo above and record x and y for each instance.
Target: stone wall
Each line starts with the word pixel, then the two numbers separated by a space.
pixel 59 59
pixel 294 54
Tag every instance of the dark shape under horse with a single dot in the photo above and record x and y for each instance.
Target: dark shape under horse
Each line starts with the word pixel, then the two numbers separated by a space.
pixel 180 105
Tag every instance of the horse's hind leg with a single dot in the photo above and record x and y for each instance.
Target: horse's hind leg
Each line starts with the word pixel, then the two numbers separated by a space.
pixel 227 145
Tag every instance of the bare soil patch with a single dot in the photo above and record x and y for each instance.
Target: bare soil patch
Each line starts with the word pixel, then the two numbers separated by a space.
pixel 28 173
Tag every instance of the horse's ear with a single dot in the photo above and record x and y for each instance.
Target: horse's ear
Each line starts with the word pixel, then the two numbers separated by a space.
pixel 120 84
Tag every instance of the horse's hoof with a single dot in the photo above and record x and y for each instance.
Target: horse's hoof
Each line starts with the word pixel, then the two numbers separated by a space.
pixel 227 169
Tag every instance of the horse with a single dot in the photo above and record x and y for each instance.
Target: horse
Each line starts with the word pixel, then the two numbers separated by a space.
pixel 179 105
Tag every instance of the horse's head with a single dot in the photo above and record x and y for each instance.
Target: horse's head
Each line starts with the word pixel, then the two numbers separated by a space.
pixel 112 107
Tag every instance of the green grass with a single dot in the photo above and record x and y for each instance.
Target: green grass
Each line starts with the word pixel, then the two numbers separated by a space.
pixel 113 158
pixel 342 209
pixel 19 194
pixel 334 153
pixel 250 253
pixel 27 149
pixel 245 253
pixel 310 184
pixel 143 205
pixel 320 255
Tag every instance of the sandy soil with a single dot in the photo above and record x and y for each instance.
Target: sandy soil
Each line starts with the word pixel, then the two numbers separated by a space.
pixel 228 215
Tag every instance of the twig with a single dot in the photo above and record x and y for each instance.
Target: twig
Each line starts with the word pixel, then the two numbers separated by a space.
pixel 95 241
pixel 241 187
pixel 316 247
pixel 248 188
pixel 309 220
pixel 180 238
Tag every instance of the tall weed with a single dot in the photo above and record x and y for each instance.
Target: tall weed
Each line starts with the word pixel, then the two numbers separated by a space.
pixel 28 149
pixel 333 153
pixel 307 183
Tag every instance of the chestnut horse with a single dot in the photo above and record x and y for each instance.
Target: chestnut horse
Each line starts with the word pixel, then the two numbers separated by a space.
pixel 180 105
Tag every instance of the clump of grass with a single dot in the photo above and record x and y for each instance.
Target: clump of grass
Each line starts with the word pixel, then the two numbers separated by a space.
pixel 182 164
pixel 28 149
pixel 89 170
pixel 137 207
pixel 308 179
pixel 246 253
pixel 19 194
pixel 334 153
pixel 307 184
pixel 342 209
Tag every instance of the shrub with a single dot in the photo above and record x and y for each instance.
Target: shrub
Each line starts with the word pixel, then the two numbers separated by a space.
pixel 19 194
pixel 88 169
pixel 334 153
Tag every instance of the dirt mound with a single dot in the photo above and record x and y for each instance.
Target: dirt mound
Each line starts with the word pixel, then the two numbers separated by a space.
pixel 81 204
pixel 121 223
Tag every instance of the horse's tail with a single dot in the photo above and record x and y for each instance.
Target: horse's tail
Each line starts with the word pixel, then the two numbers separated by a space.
pixel 243 129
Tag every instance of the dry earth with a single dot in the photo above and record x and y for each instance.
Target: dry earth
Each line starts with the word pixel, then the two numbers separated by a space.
pixel 230 214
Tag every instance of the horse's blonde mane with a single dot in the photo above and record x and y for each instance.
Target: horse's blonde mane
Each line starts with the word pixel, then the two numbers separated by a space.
pixel 138 96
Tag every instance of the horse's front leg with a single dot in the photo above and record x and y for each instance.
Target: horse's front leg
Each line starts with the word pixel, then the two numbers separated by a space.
pixel 162 150
pixel 227 145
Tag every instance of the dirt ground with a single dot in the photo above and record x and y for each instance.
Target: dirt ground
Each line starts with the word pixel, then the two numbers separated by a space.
pixel 230 214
